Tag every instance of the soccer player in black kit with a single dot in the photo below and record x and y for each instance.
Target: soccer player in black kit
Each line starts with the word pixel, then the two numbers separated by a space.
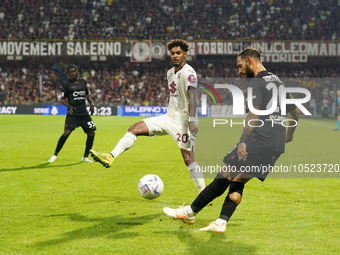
pixel 260 146
pixel 74 96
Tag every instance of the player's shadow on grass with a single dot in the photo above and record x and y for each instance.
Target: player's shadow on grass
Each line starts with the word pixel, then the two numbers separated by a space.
pixel 218 243
pixel 110 227
pixel 44 165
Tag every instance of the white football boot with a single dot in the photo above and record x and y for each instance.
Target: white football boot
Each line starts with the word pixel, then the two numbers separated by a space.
pixel 218 226
pixel 180 214
pixel 87 160
pixel 53 158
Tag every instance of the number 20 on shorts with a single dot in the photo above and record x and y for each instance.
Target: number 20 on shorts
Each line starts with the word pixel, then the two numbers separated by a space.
pixel 182 138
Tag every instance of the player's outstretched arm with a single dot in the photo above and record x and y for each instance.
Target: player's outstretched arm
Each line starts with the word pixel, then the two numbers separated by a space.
pixel 293 117
pixel 192 110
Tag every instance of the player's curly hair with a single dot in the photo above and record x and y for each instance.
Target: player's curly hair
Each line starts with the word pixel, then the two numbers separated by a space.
pixel 250 52
pixel 178 43
pixel 72 66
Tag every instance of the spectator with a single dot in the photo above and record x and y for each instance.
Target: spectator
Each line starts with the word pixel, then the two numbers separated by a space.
pixel 145 84
pixel 153 19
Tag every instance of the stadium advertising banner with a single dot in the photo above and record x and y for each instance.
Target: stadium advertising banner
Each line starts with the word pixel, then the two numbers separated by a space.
pixel 271 52
pixel 146 111
pixel 52 110
pixel 150 111
pixel 17 48
pixel 34 109
pixel 141 52
pixel 277 51
pixel 224 111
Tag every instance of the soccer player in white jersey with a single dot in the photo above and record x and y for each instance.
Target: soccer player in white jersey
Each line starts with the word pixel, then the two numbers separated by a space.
pixel 180 121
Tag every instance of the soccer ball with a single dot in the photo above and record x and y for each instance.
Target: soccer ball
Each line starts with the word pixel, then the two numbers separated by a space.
pixel 150 186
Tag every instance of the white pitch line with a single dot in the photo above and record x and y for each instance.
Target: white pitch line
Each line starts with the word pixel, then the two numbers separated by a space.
pixel 315 123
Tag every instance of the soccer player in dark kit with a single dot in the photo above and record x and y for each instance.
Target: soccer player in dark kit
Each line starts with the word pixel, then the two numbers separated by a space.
pixel 74 96
pixel 260 146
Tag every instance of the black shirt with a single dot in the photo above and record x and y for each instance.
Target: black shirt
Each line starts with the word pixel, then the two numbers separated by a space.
pixel 76 95
pixel 272 134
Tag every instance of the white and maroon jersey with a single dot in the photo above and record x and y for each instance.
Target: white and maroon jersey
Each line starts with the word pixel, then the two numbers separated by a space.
pixel 179 83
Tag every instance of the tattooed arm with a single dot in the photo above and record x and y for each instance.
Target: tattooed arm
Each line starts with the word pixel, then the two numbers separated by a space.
pixel 242 147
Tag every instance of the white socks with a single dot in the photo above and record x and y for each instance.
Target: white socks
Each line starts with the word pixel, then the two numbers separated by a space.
pixel 197 176
pixel 124 144
pixel 220 221
pixel 189 211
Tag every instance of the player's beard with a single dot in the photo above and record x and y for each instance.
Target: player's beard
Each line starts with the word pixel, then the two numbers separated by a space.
pixel 249 73
pixel 176 65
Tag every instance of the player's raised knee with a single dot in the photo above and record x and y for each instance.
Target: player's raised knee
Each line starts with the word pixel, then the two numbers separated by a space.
pixel 132 129
pixel 135 128
pixel 139 128
pixel 236 197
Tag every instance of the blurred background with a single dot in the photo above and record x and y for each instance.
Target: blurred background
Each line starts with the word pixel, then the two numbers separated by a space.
pixel 120 47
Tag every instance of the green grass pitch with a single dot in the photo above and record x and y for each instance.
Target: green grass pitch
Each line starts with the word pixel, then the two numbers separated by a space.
pixel 70 207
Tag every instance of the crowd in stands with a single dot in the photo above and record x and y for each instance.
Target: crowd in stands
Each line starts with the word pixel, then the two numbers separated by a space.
pixel 144 84
pixel 126 83
pixel 167 19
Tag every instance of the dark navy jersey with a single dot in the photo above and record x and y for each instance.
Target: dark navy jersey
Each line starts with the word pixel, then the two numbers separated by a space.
pixel 76 93
pixel 272 134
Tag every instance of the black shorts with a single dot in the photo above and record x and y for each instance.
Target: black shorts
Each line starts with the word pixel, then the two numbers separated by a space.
pixel 259 160
pixel 84 121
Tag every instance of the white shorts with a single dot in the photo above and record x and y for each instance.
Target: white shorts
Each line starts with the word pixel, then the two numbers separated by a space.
pixel 177 129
